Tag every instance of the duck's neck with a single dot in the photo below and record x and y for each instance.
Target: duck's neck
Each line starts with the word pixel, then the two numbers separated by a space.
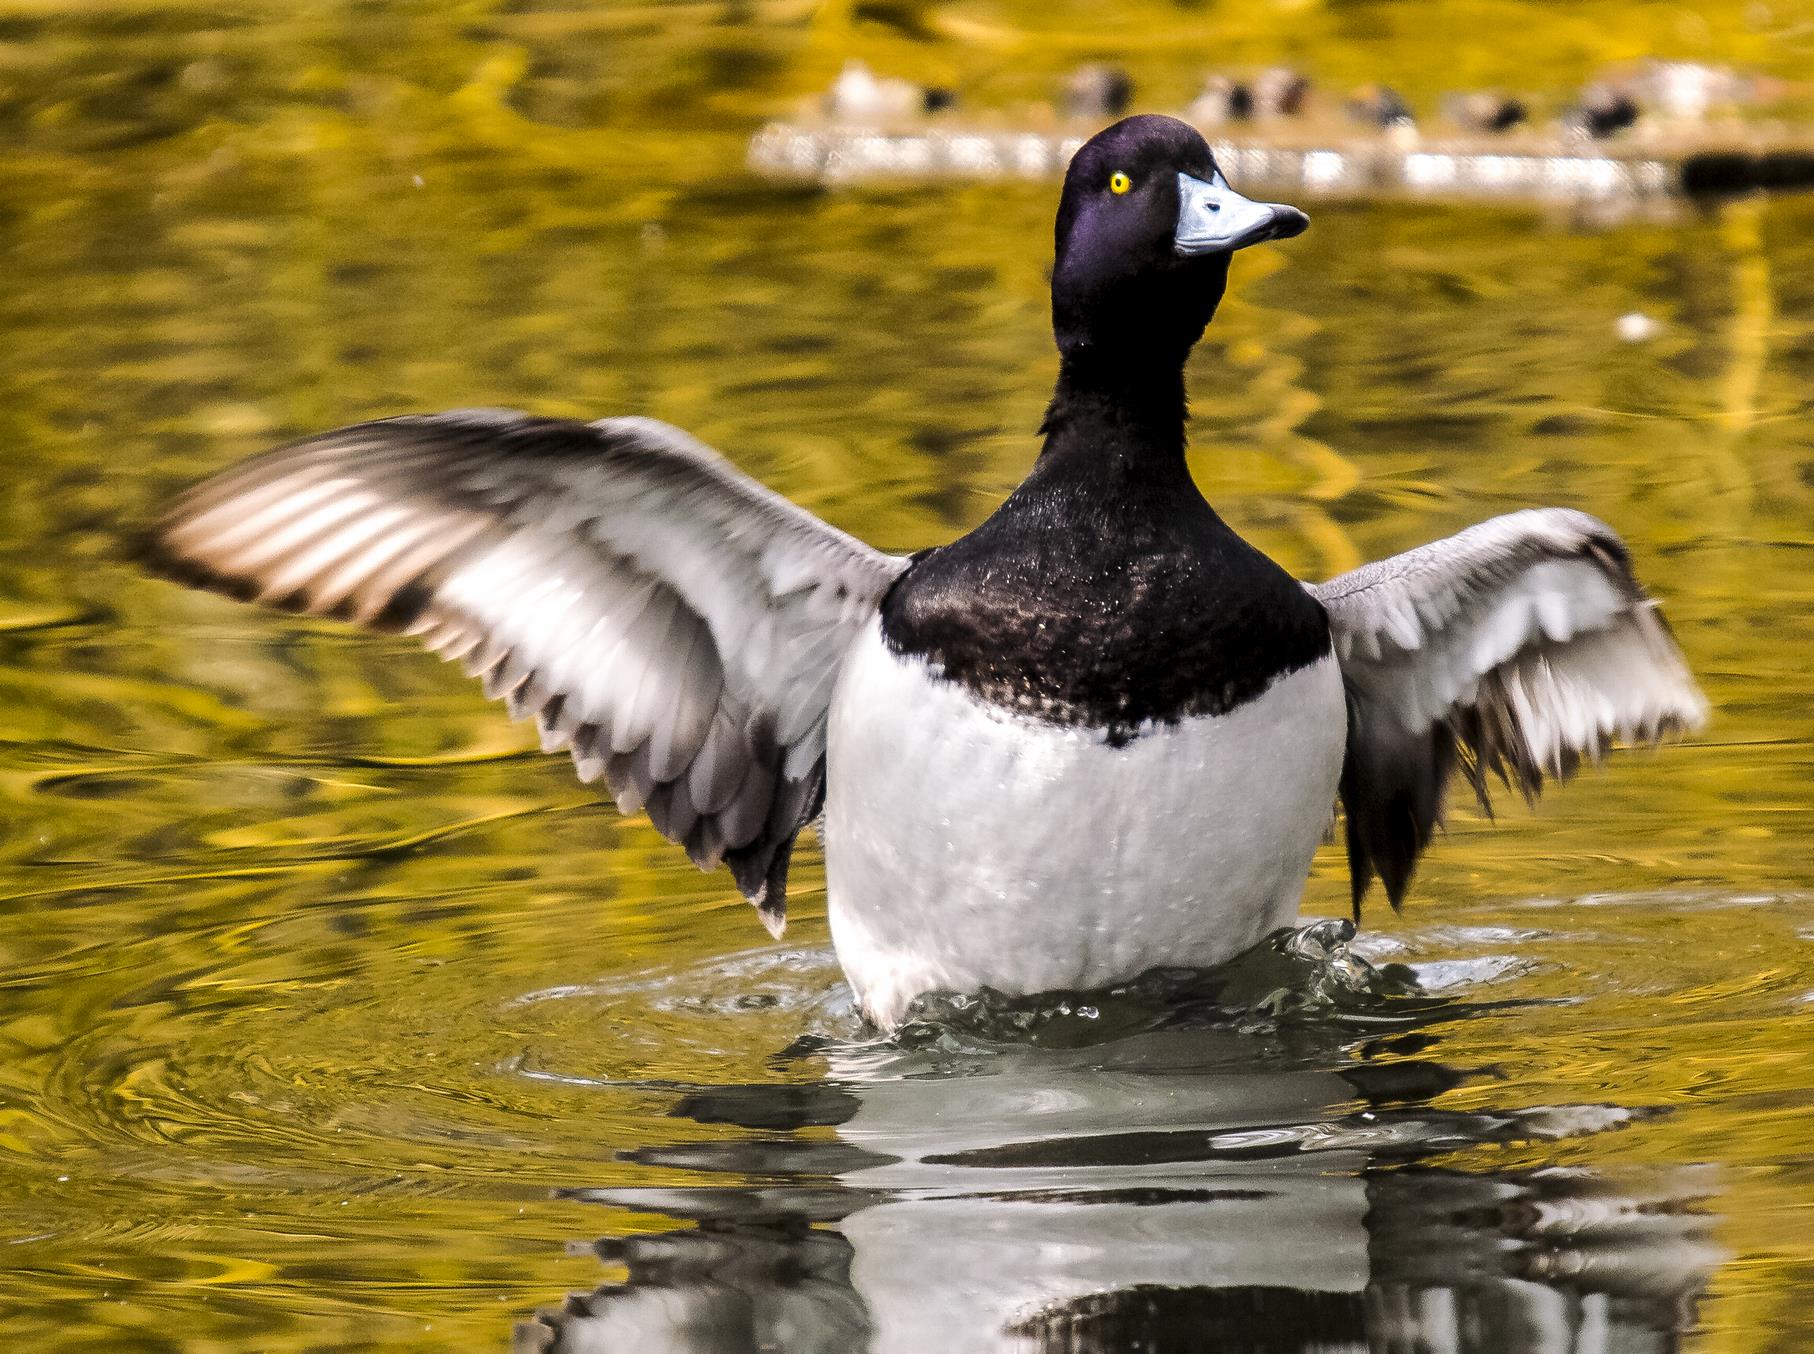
pixel 1116 416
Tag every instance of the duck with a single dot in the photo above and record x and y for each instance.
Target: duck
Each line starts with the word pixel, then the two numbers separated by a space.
pixel 860 97
pixel 1276 93
pixel 1280 92
pixel 1221 100
pixel 1485 110
pixel 1097 735
pixel 1380 106
pixel 1095 91
pixel 1603 110
pixel 1692 91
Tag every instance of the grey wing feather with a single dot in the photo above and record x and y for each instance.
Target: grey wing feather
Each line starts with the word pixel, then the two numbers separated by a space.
pixel 1513 650
pixel 673 624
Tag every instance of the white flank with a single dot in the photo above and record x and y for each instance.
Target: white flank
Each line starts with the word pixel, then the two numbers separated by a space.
pixel 966 847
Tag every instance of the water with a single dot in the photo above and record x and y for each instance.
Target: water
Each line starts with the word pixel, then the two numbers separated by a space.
pixel 335 1017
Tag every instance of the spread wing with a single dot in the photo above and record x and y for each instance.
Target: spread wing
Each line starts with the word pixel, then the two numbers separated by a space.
pixel 1514 648
pixel 671 622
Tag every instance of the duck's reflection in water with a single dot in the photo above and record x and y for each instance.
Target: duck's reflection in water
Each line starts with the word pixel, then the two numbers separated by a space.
pixel 1184 1189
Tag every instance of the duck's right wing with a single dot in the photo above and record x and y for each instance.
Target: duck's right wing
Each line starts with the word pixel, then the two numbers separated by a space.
pixel 1516 647
pixel 672 622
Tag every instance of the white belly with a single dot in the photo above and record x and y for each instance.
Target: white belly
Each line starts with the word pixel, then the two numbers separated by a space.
pixel 966 847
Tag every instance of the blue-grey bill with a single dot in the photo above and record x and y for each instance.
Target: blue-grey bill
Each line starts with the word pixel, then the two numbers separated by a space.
pixel 1214 219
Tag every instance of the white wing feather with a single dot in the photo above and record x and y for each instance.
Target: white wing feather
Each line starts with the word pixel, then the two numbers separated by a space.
pixel 1517 647
pixel 668 620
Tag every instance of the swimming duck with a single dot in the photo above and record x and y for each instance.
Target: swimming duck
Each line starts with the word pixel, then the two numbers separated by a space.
pixel 1380 106
pixel 860 96
pixel 1276 92
pixel 1096 91
pixel 1099 734
pixel 1687 91
pixel 1280 92
pixel 1484 110
pixel 1221 100
pixel 1602 110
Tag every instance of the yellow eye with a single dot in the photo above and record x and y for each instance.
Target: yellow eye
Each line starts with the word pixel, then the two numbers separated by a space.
pixel 1119 183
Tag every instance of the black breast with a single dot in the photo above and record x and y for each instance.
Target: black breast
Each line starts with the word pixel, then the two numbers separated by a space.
pixel 1105 606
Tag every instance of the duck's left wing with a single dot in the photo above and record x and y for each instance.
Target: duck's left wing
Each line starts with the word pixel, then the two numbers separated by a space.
pixel 674 624
pixel 1514 648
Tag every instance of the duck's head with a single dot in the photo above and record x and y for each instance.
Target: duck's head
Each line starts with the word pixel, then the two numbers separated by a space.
pixel 1145 229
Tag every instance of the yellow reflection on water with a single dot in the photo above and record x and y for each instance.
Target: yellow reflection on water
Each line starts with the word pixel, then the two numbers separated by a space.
pixel 318 981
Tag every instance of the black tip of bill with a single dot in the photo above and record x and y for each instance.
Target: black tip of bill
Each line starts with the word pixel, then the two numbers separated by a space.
pixel 1214 219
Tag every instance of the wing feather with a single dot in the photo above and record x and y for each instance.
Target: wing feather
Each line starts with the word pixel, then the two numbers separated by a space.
pixel 1513 650
pixel 672 624
pixel 717 770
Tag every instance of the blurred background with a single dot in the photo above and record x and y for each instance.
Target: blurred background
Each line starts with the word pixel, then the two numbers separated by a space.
pixel 331 1015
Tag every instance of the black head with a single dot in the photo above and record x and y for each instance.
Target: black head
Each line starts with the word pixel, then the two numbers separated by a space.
pixel 1144 233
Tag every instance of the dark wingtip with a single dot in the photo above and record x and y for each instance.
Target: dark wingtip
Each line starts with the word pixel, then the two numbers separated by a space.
pixel 773 907
pixel 1360 868
pixel 760 872
pixel 405 606
pixel 1392 789
pixel 1398 882
pixel 138 546
pixel 144 547
pixel 148 549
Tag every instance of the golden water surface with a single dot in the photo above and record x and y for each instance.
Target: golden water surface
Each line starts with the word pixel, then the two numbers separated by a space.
pixel 334 1017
